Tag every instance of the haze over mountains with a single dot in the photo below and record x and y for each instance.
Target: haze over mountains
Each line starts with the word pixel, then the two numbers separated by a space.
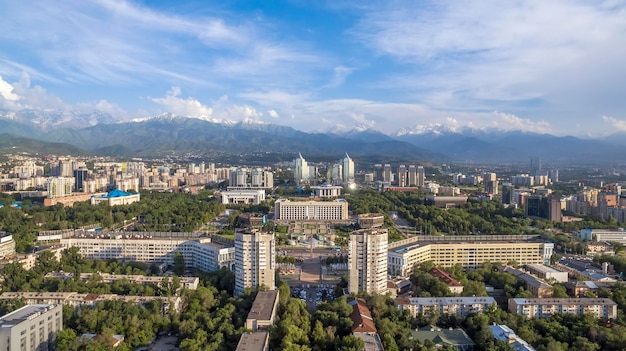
pixel 168 134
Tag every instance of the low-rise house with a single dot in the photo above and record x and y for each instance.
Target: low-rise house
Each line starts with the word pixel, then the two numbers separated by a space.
pixel 455 338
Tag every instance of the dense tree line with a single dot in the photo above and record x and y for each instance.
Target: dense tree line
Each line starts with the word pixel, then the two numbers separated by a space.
pixel 155 212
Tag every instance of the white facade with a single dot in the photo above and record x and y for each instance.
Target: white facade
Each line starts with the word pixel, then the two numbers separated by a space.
pixel 367 261
pixel 541 308
pixel 144 247
pixel 347 167
pixel 546 272
pixel 32 327
pixel 300 170
pixel 618 235
pixel 255 261
pixel 311 210
pixel 459 306
pixel 60 186
pixel 243 196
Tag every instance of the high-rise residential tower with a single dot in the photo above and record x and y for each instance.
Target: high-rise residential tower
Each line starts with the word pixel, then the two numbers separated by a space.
pixel 347 167
pixel 421 176
pixel 300 170
pixel 255 260
pixel 367 261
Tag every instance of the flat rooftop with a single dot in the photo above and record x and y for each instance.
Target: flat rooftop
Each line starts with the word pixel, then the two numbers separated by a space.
pixel 263 305
pixel 253 341
pixel 22 314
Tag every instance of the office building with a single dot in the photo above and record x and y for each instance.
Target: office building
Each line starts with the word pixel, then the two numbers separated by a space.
pixel 327 191
pixel 547 272
pixel 255 260
pixel 347 167
pixel 470 251
pixel 367 261
pixel 263 311
pixel 455 306
pixel 541 308
pixel 250 196
pixel 546 207
pixel 79 177
pixel 535 165
pixel 32 327
pixel 599 235
pixel 301 170
pixel 508 193
pixel 286 210
pixel 378 173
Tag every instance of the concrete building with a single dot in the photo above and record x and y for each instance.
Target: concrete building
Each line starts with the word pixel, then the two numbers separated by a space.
pixel 7 245
pixel 60 186
pixel 152 247
pixel 458 306
pixel 256 341
pixel 255 260
pixel 421 176
pixel 286 210
pixel 547 272
pixel 506 334
pixel 536 286
pixel 367 261
pixel 370 220
pixel 470 251
pixel 327 191
pixel 347 167
pixel 32 327
pixel 301 170
pixel 618 235
pixel 190 283
pixel 263 311
pixel 116 197
pixel 541 308
pixel 243 196
pixel 77 300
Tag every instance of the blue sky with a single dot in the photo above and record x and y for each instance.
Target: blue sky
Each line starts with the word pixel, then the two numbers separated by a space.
pixel 544 66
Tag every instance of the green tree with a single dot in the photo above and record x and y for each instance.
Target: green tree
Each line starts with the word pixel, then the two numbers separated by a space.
pixel 179 264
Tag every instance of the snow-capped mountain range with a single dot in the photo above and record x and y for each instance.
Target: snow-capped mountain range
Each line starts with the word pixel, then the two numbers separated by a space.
pixel 166 132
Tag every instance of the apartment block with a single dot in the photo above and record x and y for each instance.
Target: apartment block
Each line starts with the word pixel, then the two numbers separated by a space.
pixel 32 327
pixel 286 210
pixel 255 260
pixel 263 311
pixel 367 261
pixel 256 341
pixel 458 306
pixel 541 308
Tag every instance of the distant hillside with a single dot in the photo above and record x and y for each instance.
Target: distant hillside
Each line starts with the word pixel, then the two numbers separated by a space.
pixel 14 144
pixel 181 136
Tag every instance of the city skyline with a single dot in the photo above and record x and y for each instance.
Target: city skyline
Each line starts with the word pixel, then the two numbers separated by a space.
pixel 323 66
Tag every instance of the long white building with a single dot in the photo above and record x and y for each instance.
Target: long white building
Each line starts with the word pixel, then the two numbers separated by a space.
pixel 468 251
pixel 459 306
pixel 244 196
pixel 541 308
pixel 367 261
pixel 255 261
pixel 286 210
pixel 154 247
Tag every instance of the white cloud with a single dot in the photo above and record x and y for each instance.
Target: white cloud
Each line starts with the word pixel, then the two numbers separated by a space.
pixel 273 114
pixel 180 106
pixel 340 75
pixel 617 124
pixel 6 91
pixel 509 121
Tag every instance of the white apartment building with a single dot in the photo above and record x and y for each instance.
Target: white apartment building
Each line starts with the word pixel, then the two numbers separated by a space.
pixel 541 308
pixel 155 248
pixel 243 196
pixel 32 327
pixel 367 261
pixel 7 245
pixel 286 210
pixel 60 186
pixel 458 306
pixel 255 260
